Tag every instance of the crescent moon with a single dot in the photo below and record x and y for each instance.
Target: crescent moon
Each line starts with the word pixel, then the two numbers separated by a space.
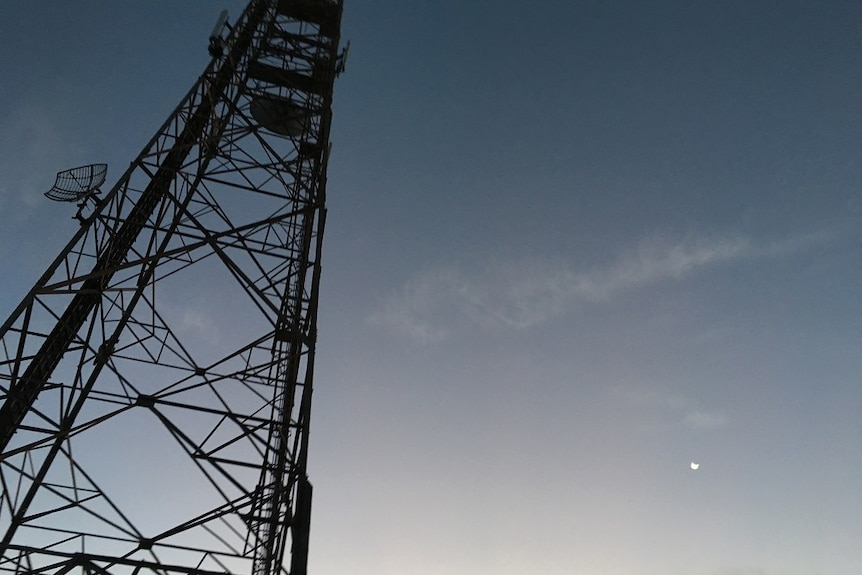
pixel 694 466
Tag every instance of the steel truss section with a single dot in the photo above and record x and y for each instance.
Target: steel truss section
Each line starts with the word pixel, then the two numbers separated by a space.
pixel 156 381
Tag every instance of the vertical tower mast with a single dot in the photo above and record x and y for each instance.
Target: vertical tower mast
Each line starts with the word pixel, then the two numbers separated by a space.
pixel 217 223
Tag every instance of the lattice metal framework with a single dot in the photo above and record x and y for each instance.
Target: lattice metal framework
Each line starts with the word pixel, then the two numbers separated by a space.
pixel 156 381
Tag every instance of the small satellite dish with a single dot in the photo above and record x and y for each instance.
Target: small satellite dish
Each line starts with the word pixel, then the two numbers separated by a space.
pixel 280 116
pixel 78 183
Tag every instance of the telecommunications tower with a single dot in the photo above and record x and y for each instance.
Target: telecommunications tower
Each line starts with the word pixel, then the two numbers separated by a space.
pixel 155 383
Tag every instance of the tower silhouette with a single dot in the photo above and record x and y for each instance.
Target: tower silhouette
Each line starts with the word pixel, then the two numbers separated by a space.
pixel 156 381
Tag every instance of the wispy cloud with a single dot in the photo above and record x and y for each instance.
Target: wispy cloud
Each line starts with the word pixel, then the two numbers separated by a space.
pixel 656 260
pixel 672 405
pixel 430 305
pixel 524 293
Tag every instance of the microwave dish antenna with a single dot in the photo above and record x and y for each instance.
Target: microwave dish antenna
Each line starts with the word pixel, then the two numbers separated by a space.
pixel 78 184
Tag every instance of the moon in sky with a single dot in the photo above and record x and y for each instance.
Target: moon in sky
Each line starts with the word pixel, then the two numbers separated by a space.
pixel 694 466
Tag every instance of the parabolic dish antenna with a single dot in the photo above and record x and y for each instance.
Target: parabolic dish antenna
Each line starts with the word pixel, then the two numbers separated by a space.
pixel 280 116
pixel 78 183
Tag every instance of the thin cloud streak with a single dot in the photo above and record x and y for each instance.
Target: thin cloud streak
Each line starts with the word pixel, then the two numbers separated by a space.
pixel 655 260
pixel 525 293
pixel 677 407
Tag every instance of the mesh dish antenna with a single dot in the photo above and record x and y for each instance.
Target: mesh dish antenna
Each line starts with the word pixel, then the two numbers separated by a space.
pixel 78 183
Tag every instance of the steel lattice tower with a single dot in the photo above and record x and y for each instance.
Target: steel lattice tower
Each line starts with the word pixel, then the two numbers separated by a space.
pixel 132 440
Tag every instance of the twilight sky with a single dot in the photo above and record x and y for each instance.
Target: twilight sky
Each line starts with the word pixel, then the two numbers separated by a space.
pixel 572 247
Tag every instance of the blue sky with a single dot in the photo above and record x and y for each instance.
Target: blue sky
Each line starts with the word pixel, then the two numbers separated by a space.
pixel 571 248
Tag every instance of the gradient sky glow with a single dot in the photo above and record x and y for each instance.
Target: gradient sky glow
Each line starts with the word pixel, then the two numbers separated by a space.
pixel 572 247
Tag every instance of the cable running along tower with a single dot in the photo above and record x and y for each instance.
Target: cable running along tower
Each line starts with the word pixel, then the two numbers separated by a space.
pixel 155 384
